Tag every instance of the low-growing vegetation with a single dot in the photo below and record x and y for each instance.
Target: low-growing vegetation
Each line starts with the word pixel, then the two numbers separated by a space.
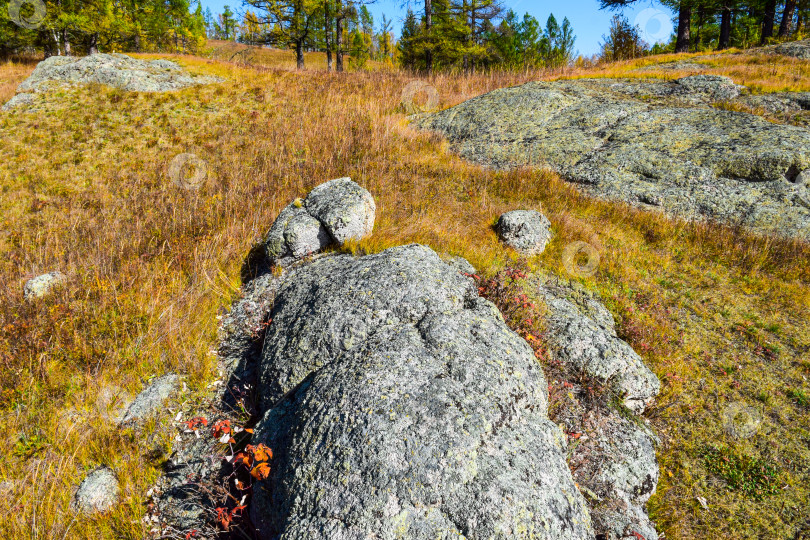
pixel 721 315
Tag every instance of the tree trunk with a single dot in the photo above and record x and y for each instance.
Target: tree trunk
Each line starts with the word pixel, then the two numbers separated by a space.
pixel 328 36
pixel 768 20
pixel 66 42
pixel 339 43
pixel 299 54
pixel 92 47
pixel 684 22
pixel 428 33
pixel 787 18
pixel 725 28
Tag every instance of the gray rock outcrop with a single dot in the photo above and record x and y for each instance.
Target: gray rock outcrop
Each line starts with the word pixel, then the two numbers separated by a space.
pixel 41 286
pixel 527 231
pixel 334 212
pixel 795 49
pixel 646 143
pixel 615 465
pixel 98 492
pixel 613 457
pixel 115 70
pixel 582 335
pixel 150 399
pixel 400 405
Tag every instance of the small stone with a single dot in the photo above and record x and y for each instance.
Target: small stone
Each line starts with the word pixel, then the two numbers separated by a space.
pixel 148 401
pixel 41 286
pixel 98 492
pixel 527 231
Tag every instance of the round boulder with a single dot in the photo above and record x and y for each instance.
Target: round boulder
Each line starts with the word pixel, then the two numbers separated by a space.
pixel 333 213
pixel 527 231
pixel 98 492
pixel 346 209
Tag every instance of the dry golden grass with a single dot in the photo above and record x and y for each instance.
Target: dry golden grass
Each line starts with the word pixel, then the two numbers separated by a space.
pixel 762 73
pixel 721 315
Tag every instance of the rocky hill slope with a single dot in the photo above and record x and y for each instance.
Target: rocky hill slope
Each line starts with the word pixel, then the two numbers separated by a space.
pixel 649 143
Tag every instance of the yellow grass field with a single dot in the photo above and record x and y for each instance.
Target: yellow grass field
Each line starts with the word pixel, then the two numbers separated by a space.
pixel 721 315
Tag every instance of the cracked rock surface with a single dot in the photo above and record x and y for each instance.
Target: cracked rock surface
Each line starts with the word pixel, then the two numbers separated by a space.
pixel 400 405
pixel 648 143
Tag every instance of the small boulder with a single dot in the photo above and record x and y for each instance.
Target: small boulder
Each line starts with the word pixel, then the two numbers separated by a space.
pixel 333 213
pixel 345 209
pixel 152 397
pixel 41 286
pixel 98 492
pixel 527 231
pixel 294 235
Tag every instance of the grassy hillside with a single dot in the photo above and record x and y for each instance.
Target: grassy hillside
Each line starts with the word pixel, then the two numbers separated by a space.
pixel 723 317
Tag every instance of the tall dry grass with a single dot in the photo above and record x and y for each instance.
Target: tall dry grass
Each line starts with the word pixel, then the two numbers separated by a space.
pixel 86 190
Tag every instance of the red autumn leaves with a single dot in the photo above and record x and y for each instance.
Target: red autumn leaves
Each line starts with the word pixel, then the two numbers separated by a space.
pixel 255 459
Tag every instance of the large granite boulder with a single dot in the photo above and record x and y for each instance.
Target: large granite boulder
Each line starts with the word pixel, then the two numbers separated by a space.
pixel 400 405
pixel 335 212
pixel 648 143
pixel 115 70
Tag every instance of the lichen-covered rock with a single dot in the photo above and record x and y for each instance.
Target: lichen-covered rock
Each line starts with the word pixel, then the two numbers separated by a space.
pixel 98 492
pixel 717 87
pixel 398 404
pixel 151 398
pixel 345 209
pixel 796 49
pixel 333 213
pixel 116 70
pixel 614 463
pixel 41 286
pixel 294 235
pixel 641 141
pixel 527 231
pixel 583 337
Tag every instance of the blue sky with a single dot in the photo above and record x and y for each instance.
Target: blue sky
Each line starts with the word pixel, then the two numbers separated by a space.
pixel 589 22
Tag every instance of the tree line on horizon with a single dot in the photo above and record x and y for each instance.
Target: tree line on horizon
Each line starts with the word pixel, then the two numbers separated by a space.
pixel 65 27
pixel 445 35
pixel 721 24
